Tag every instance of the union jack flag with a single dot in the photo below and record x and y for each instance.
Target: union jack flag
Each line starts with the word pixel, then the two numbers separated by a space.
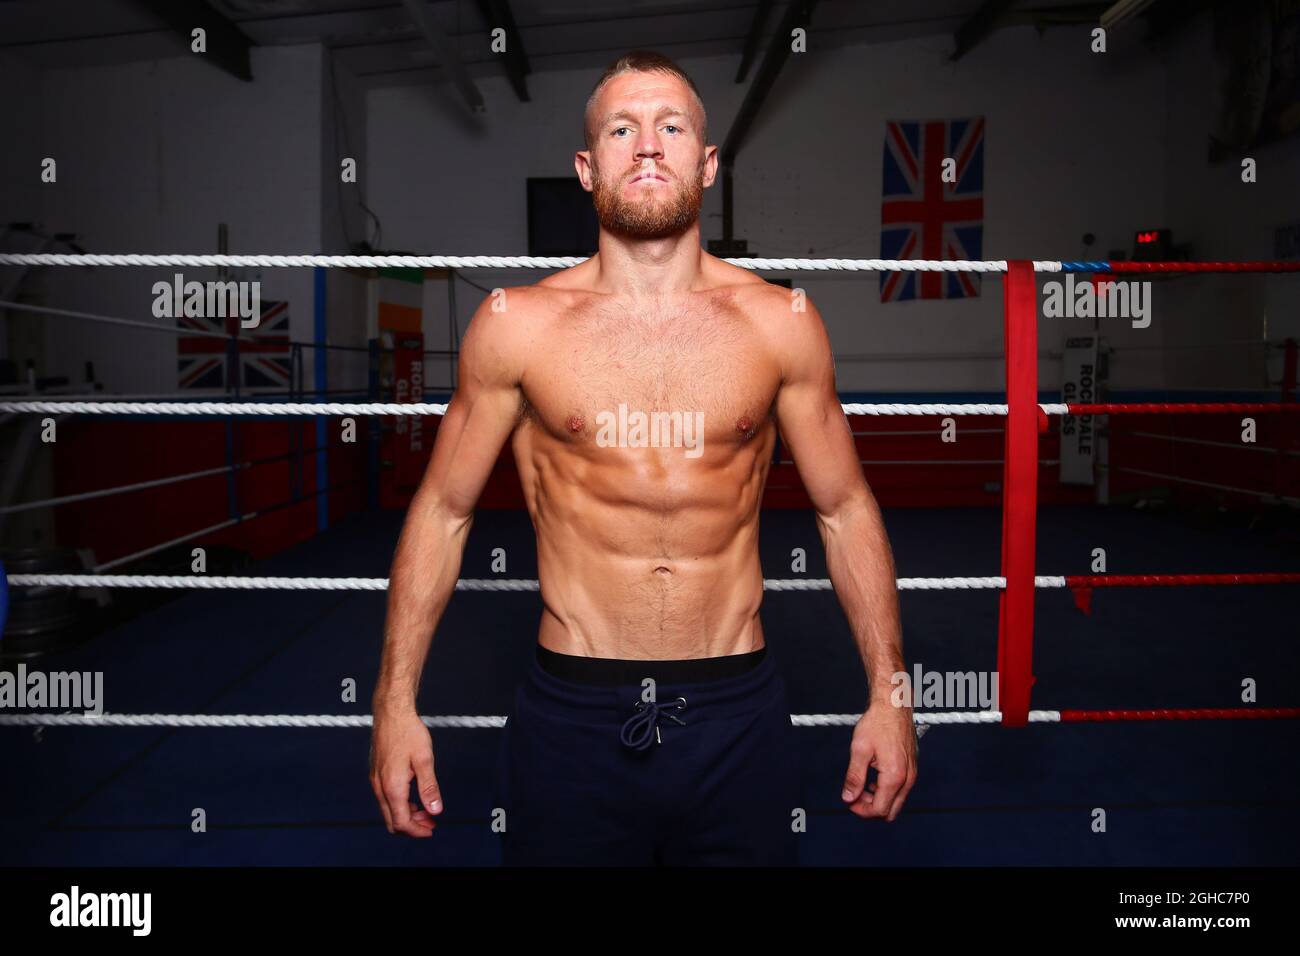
pixel 263 352
pixel 923 217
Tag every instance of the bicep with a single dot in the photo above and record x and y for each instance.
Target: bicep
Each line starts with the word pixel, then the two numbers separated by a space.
pixel 812 421
pixel 479 418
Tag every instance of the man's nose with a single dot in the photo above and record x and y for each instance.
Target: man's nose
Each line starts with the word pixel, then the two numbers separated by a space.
pixel 648 145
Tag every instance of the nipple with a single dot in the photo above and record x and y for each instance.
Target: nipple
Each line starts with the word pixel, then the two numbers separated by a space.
pixel 745 426
pixel 575 423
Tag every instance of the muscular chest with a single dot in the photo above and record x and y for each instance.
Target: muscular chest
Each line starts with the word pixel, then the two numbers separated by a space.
pixel 655 376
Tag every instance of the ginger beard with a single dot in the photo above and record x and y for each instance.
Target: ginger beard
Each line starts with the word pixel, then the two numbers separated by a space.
pixel 654 212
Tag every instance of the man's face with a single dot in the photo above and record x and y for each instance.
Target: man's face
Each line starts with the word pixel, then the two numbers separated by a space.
pixel 648 162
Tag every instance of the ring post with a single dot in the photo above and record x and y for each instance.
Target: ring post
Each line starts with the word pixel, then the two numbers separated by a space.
pixel 1019 495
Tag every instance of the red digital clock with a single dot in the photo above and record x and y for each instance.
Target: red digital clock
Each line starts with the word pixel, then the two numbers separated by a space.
pixel 1152 245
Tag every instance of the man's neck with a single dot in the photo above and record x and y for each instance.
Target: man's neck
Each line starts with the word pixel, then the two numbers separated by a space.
pixel 650 267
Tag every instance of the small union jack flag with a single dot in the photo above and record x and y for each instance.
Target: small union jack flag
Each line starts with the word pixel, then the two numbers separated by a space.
pixel 924 217
pixel 263 351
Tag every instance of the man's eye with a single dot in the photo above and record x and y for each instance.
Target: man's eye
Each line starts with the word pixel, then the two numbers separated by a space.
pixel 620 130
pixel 673 128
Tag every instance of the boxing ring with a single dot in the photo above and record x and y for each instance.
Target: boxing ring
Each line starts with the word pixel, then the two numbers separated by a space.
pixel 1025 419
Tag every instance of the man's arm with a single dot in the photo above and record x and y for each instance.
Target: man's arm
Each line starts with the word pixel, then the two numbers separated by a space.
pixel 478 421
pixel 858 557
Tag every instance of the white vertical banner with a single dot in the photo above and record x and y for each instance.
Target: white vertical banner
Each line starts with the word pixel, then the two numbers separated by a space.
pixel 1078 432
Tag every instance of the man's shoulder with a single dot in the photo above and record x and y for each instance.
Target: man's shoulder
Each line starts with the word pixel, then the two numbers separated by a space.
pixel 752 293
pixel 536 301
pixel 513 324
pixel 783 318
pixel 550 296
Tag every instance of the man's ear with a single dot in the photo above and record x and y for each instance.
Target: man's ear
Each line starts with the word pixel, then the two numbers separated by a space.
pixel 582 165
pixel 710 165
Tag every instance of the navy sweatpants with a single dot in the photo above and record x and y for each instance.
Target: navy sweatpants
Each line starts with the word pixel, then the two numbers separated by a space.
pixel 707 774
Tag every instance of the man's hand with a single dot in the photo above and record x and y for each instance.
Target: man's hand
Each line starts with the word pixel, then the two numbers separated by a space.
pixel 479 420
pixel 885 738
pixel 401 748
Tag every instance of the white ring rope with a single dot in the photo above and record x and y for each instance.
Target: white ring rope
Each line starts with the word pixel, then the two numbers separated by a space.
pixel 123 489
pixel 497 262
pixel 379 584
pixel 429 408
pixel 227 408
pixel 114 320
pixel 251 583
pixel 468 722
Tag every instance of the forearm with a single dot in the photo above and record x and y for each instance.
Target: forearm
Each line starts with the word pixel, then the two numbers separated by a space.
pixel 861 566
pixel 423 577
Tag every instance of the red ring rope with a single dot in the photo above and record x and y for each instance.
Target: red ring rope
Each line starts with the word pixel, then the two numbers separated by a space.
pixel 1261 266
pixel 1177 580
pixel 1180 408
pixel 1186 713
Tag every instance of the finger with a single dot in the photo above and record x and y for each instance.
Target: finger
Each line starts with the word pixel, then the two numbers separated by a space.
pixel 867 809
pixel 422 816
pixel 888 785
pixel 383 803
pixel 866 806
pixel 427 784
pixel 398 791
pixel 902 797
pixel 855 779
pixel 422 821
pixel 861 808
pixel 869 806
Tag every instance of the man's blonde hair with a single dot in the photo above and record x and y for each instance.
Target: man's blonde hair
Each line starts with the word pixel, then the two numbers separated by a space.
pixel 641 61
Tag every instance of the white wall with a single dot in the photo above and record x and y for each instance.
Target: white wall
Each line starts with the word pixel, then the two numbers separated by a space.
pixel 343 135
pixel 807 181
pixel 1223 218
pixel 153 156
pixel 20 196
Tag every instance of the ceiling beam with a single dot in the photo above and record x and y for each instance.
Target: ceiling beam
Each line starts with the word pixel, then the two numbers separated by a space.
pixel 978 26
pixel 1166 20
pixel 497 13
pixel 797 14
pixel 227 45
pixel 751 40
pixel 445 49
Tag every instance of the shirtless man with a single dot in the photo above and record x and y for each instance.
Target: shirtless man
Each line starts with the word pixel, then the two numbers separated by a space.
pixel 642 392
